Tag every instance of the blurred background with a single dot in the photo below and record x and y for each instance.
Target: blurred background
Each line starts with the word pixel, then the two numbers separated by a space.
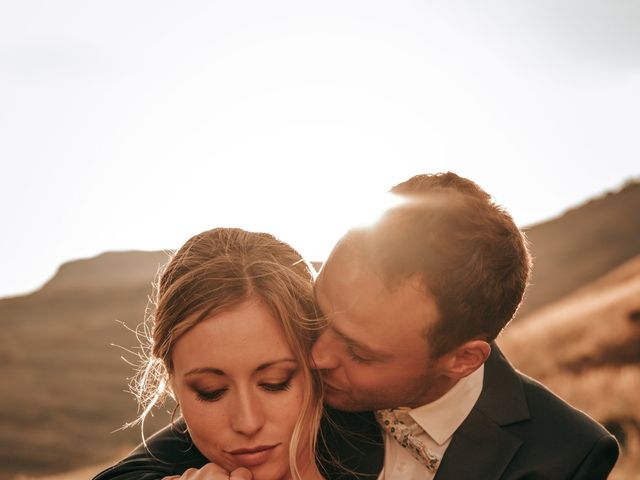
pixel 128 126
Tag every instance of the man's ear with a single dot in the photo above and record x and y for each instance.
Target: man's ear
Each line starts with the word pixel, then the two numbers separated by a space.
pixel 466 358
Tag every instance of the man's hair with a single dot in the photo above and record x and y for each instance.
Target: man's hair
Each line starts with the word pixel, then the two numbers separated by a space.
pixel 465 249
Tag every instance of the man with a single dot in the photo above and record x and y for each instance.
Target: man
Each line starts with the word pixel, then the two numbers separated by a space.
pixel 413 305
pixel 416 387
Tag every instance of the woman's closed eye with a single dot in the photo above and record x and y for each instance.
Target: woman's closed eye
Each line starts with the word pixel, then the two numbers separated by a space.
pixel 210 395
pixel 276 387
pixel 268 386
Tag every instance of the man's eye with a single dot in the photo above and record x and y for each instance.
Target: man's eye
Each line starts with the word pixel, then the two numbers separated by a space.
pixel 355 357
pixel 210 396
pixel 276 387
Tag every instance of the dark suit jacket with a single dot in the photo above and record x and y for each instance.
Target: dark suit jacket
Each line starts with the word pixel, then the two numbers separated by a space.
pixel 517 430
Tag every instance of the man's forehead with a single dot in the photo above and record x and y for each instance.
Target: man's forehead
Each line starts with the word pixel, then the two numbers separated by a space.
pixel 343 271
pixel 347 264
pixel 341 285
pixel 322 294
pixel 356 294
pixel 318 293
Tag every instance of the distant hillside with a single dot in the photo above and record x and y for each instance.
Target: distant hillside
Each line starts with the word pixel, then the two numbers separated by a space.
pixel 586 348
pixel 582 245
pixel 108 270
pixel 63 380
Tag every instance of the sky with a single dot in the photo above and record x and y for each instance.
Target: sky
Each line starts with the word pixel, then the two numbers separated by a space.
pixel 136 124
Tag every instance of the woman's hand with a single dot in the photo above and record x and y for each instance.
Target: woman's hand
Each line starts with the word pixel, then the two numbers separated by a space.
pixel 212 472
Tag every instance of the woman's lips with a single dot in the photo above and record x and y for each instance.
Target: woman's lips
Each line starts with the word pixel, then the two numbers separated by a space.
pixel 251 457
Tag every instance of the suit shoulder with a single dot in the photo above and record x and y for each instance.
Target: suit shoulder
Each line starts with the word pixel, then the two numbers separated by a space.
pixel 169 451
pixel 547 407
pixel 558 440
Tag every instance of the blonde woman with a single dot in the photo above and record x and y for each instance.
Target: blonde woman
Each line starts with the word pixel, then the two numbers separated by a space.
pixel 230 340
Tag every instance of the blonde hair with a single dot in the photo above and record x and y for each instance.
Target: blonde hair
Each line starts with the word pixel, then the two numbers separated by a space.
pixel 215 271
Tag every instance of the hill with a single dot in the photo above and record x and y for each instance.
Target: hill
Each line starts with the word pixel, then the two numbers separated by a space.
pixel 582 244
pixel 63 378
pixel 586 348
pixel 110 270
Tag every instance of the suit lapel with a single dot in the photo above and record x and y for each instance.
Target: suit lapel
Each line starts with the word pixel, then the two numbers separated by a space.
pixel 481 448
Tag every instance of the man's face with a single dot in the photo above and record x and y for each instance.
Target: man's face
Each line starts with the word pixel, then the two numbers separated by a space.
pixel 374 353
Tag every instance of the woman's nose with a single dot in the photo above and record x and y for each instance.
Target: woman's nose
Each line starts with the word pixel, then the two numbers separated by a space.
pixel 324 353
pixel 247 416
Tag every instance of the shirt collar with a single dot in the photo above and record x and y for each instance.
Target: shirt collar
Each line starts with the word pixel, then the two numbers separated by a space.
pixel 442 417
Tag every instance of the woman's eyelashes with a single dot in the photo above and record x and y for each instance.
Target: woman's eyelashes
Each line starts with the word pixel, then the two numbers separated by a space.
pixel 215 395
pixel 277 387
pixel 210 395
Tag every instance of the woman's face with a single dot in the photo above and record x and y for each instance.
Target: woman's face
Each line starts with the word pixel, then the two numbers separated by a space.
pixel 240 389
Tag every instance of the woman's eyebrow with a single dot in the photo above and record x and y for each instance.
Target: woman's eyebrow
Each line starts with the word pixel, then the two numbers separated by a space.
pixel 217 371
pixel 264 366
pixel 196 371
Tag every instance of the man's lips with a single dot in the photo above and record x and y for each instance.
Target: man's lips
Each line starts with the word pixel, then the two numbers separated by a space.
pixel 251 457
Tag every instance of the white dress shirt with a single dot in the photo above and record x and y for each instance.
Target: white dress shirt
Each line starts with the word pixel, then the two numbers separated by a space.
pixel 439 419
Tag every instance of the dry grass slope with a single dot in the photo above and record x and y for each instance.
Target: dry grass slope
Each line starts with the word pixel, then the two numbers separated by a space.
pixel 586 348
pixel 67 382
pixel 582 245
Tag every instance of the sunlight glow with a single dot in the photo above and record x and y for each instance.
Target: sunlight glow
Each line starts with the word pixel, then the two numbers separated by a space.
pixel 134 125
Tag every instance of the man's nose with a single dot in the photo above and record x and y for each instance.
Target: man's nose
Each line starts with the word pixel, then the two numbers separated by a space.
pixel 324 353
pixel 247 416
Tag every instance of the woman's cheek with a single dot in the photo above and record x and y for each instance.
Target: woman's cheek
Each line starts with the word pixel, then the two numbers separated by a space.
pixel 204 421
pixel 293 404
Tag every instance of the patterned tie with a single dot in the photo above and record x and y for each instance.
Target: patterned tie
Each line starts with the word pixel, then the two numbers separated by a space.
pixel 405 430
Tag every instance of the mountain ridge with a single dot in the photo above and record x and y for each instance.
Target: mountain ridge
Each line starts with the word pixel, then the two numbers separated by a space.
pixel 587 239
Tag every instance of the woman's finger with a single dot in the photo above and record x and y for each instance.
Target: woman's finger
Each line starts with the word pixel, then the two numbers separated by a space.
pixel 210 471
pixel 241 474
